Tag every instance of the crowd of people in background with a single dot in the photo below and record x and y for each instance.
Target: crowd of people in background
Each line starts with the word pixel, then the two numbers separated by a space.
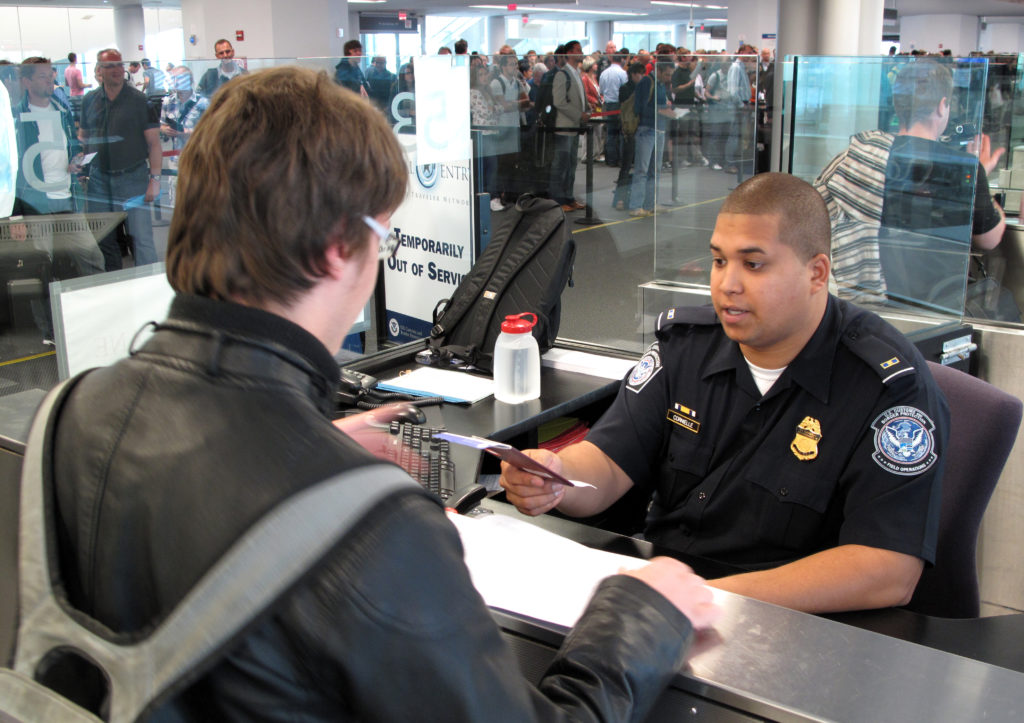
pixel 535 115
pixel 530 112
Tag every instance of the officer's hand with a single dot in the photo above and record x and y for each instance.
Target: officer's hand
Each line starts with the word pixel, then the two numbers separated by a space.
pixel 19 232
pixel 530 494
pixel 682 588
pixel 981 146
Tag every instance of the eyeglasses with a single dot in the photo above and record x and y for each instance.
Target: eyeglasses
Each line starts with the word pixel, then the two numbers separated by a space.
pixel 110 66
pixel 388 242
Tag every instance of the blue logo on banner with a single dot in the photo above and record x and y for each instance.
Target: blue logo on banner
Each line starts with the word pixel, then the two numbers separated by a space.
pixel 403 328
pixel 427 175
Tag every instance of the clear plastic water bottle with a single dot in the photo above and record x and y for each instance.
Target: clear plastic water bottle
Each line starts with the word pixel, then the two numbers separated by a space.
pixel 517 360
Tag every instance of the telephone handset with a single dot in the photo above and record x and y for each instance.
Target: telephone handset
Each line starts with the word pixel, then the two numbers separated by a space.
pixel 354 387
pixel 353 381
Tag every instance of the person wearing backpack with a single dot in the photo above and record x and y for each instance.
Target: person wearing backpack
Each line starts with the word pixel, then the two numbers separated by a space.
pixel 509 97
pixel 625 178
pixel 650 101
pixel 610 82
pixel 719 113
pixel 570 101
pixel 164 459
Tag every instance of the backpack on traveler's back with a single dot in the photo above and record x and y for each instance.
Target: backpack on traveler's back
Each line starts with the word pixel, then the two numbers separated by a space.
pixel 544 107
pixel 525 267
pixel 59 650
pixel 629 114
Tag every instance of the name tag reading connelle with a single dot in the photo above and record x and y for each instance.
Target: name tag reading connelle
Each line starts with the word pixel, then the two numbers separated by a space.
pixel 513 456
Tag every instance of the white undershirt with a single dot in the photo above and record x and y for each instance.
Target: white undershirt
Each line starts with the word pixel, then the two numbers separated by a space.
pixel 764 378
pixel 54 161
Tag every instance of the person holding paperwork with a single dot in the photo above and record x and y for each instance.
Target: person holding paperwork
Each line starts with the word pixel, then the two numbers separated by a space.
pixel 781 430
pixel 162 460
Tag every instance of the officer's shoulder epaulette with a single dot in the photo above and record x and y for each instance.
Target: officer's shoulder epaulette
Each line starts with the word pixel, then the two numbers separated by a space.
pixel 885 356
pixel 687 315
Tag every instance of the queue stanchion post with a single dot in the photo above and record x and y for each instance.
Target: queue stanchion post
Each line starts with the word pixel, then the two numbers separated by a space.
pixel 674 141
pixel 589 219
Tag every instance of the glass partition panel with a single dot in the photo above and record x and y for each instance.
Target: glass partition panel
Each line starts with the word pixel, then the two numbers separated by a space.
pixel 890 143
pixel 488 140
pixel 1004 122
pixel 711 145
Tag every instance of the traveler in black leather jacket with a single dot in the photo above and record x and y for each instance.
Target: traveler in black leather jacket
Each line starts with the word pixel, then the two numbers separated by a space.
pixel 162 460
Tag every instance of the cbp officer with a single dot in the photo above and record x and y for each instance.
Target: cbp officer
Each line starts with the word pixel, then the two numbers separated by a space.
pixel 781 430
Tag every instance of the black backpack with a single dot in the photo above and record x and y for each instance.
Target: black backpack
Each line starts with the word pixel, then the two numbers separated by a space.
pixel 544 106
pixel 525 267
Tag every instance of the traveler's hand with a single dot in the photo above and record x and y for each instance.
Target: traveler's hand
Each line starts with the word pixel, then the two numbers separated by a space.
pixel 530 494
pixel 19 232
pixel 152 190
pixel 981 146
pixel 678 583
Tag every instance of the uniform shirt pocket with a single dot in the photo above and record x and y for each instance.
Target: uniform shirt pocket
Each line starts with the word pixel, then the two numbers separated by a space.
pixel 685 465
pixel 793 499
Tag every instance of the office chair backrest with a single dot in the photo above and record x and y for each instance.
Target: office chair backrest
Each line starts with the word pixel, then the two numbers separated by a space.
pixel 10 483
pixel 983 427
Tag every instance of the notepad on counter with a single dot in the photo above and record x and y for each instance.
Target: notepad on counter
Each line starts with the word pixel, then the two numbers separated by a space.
pixel 457 387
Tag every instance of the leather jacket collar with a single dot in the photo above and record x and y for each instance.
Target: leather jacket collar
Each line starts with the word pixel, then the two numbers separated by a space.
pixel 225 338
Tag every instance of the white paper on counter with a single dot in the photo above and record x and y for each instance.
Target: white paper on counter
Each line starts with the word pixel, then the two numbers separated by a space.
pixel 522 568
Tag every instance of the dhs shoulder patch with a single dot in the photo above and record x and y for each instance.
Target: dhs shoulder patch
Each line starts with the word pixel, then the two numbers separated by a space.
pixel 904 441
pixel 645 370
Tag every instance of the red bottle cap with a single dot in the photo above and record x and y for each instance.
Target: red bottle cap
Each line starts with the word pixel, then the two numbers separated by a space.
pixel 516 324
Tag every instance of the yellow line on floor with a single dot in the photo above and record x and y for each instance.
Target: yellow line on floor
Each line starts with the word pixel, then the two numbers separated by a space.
pixel 670 209
pixel 28 358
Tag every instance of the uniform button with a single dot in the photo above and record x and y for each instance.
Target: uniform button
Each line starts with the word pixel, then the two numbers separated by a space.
pixel 686 531
pixel 783 491
pixel 671 458
pixel 702 496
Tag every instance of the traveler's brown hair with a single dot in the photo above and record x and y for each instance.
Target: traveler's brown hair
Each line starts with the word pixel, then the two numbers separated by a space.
pixel 918 88
pixel 28 66
pixel 804 225
pixel 283 164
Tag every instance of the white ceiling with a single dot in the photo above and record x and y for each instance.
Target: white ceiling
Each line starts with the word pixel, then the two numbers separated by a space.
pixel 601 9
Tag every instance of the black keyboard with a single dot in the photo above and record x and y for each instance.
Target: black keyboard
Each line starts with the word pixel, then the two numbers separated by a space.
pixel 424 457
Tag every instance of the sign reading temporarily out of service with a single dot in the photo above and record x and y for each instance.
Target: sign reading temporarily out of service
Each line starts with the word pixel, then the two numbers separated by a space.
pixel 434 224
pixel 435 229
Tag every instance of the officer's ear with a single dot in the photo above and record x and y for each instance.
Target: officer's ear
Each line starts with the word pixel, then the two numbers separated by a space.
pixel 818 268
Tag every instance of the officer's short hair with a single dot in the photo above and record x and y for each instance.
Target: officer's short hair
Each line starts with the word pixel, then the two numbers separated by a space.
pixel 283 164
pixel 918 88
pixel 804 224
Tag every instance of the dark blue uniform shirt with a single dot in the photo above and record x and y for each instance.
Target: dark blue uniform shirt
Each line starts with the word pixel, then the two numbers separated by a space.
pixel 845 448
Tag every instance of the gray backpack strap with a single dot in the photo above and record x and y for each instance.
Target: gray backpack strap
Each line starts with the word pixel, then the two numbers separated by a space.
pixel 259 567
